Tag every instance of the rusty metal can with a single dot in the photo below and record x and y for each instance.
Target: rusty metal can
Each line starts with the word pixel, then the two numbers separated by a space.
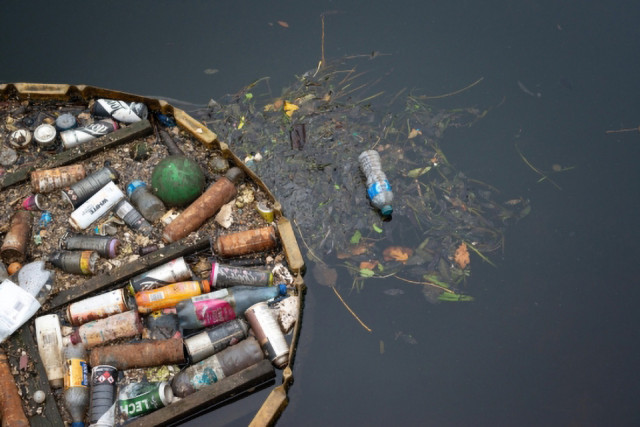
pixel 47 180
pixel 97 206
pixel 80 192
pixel 246 242
pixel 122 325
pixel 104 381
pixel 205 206
pixel 139 355
pixel 75 262
pixel 264 324
pixel 105 246
pixel 215 339
pixel 14 247
pixel 97 307
pixel 171 272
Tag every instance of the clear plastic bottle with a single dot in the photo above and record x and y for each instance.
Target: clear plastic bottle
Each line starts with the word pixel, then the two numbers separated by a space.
pixel 378 187
pixel 76 383
pixel 149 205
pixel 222 305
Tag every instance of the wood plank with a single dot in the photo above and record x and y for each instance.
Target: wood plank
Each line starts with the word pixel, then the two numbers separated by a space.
pixel 127 271
pixel 121 136
pixel 23 338
pixel 213 394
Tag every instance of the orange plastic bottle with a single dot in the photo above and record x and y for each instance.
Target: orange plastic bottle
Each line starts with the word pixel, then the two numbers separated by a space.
pixel 170 295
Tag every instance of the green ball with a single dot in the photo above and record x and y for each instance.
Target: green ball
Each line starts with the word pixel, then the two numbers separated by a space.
pixel 177 180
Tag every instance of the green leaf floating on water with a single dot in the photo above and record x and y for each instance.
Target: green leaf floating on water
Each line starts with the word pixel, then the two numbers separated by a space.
pixel 448 296
pixel 377 229
pixel 414 173
pixel 355 239
pixel 365 272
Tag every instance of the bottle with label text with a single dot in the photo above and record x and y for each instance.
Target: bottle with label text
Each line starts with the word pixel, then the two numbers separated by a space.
pixel 222 305
pixel 378 187
pixel 76 383
pixel 170 295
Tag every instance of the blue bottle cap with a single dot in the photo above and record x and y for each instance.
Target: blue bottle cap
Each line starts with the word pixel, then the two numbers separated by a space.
pixel 133 185
pixel 65 122
pixel 386 210
pixel 283 288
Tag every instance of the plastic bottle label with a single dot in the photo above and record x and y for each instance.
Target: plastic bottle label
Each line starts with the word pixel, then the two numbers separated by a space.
pixel 77 373
pixel 16 307
pixel 213 311
pixel 377 188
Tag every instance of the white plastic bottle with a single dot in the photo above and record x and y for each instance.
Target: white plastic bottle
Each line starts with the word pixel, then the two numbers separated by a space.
pixel 378 187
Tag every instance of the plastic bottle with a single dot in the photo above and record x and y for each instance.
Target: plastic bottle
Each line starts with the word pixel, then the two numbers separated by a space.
pixel 214 368
pixel 49 340
pixel 76 383
pixel 21 295
pixel 170 295
pixel 149 205
pixel 378 187
pixel 222 305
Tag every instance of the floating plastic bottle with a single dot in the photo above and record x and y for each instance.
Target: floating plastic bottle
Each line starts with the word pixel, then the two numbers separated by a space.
pixel 149 205
pixel 222 305
pixel 378 187
pixel 76 383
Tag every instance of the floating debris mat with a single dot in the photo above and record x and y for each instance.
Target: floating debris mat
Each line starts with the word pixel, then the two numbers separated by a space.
pixel 146 273
pixel 305 144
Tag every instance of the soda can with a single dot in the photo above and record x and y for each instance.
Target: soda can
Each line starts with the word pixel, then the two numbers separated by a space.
pixel 136 399
pixel 120 110
pixel 47 180
pixel 35 202
pixel 265 211
pixel 215 339
pixel 97 307
pixel 105 246
pixel 104 381
pixel 45 136
pixel 74 137
pixel 20 139
pixel 130 215
pixel 265 326
pixel 96 206
pixel 223 276
pixel 66 121
pixel 172 272
pixel 75 262
pixel 80 192
pixel 14 247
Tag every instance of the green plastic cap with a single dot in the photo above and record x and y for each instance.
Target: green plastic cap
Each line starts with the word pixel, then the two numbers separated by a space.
pixel 386 210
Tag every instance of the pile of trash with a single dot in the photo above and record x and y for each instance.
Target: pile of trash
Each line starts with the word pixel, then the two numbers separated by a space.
pixel 152 265
pixel 305 146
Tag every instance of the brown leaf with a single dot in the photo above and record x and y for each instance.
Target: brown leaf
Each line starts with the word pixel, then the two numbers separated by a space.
pixel 368 265
pixel 461 257
pixel 397 253
pixel 324 275
pixel 354 250
pixel 284 24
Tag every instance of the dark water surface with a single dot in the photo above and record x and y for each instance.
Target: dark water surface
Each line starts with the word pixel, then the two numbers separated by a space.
pixel 552 337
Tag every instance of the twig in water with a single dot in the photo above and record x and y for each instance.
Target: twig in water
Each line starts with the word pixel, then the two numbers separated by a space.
pixel 536 170
pixel 350 311
pixel 451 93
